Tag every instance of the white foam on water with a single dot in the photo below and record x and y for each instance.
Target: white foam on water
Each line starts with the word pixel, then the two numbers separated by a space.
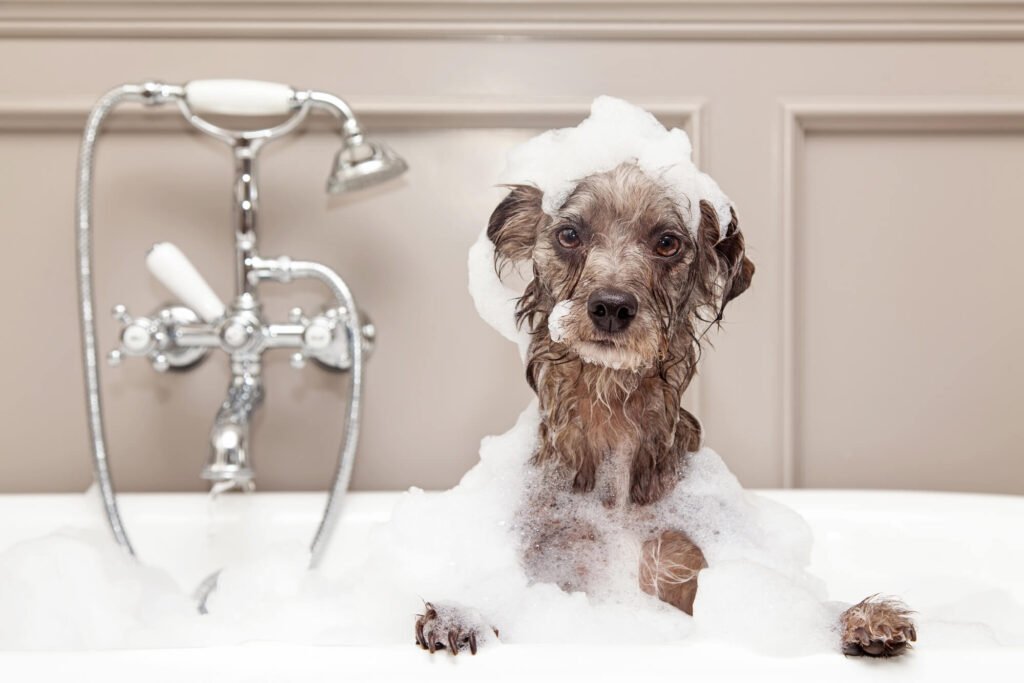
pixel 75 589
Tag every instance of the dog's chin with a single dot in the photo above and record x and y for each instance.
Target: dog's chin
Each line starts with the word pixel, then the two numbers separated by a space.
pixel 609 355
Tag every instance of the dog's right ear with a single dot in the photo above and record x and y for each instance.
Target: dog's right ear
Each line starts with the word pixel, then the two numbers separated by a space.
pixel 514 224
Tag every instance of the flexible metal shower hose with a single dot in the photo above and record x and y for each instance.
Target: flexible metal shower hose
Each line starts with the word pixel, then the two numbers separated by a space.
pixel 83 216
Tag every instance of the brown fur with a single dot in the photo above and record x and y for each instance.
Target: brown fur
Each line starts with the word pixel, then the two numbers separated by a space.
pixel 669 565
pixel 877 627
pixel 611 423
pixel 611 401
pixel 589 409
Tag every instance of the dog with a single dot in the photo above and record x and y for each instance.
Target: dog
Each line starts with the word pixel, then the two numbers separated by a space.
pixel 621 296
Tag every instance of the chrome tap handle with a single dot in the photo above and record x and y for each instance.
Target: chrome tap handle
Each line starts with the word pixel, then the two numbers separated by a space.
pixel 321 333
pixel 324 340
pixel 139 337
pixel 137 334
pixel 152 337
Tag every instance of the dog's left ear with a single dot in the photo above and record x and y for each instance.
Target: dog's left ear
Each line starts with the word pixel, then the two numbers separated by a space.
pixel 735 270
pixel 514 224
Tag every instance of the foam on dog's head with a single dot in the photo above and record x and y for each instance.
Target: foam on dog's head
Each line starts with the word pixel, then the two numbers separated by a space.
pixel 616 132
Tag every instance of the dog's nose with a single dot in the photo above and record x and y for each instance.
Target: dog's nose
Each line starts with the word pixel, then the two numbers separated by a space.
pixel 612 310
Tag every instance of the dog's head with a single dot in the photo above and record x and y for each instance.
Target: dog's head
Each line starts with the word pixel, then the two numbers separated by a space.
pixel 618 278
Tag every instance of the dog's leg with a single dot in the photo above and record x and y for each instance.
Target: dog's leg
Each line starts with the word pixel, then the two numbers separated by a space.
pixel 877 627
pixel 451 628
pixel 655 465
pixel 669 565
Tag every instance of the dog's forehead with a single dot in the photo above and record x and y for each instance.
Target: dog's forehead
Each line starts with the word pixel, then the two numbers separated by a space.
pixel 624 198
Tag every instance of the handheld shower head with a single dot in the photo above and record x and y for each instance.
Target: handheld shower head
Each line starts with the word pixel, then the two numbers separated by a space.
pixel 360 164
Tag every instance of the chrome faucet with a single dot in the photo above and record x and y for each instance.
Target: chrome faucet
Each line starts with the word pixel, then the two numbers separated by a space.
pixel 180 336
pixel 228 465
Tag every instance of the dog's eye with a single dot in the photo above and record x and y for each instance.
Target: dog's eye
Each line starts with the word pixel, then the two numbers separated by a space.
pixel 668 245
pixel 569 238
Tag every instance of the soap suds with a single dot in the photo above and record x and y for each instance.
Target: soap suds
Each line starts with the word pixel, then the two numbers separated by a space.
pixel 558 313
pixel 616 132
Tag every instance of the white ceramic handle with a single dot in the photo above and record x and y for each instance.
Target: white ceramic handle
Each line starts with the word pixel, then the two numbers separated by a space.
pixel 173 269
pixel 239 97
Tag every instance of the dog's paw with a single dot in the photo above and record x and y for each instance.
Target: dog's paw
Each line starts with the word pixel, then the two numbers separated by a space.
pixel 877 627
pixel 452 628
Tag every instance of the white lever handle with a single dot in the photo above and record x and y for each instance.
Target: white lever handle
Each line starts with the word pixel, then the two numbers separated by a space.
pixel 173 269
pixel 239 97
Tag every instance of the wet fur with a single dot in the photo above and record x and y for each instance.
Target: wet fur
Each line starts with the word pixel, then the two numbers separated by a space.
pixel 877 627
pixel 611 421
pixel 612 424
pixel 588 408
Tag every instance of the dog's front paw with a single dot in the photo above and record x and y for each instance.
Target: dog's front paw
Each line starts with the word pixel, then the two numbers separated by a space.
pixel 877 627
pixel 452 628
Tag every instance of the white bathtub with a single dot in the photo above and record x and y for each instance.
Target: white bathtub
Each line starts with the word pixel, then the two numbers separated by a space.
pixel 965 547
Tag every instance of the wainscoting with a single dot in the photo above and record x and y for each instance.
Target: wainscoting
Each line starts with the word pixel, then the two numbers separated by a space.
pixel 875 151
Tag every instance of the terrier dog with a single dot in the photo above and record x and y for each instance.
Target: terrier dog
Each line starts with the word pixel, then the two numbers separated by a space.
pixel 629 292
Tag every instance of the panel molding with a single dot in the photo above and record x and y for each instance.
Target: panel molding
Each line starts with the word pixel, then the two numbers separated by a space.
pixel 67 115
pixel 543 19
pixel 872 115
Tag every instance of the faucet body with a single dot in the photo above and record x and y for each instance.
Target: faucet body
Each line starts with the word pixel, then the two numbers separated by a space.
pixel 181 335
pixel 229 438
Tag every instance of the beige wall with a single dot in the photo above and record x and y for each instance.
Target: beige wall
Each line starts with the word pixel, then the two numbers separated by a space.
pixel 875 151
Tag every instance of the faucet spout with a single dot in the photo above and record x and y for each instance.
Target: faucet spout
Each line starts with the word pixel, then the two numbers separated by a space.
pixel 228 466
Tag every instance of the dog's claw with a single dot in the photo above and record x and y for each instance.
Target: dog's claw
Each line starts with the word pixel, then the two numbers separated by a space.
pixel 453 645
pixel 449 628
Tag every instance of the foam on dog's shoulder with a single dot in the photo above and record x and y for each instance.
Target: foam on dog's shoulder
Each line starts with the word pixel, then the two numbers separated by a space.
pixel 616 132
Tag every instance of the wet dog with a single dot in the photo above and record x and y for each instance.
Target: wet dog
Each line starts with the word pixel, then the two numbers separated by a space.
pixel 621 295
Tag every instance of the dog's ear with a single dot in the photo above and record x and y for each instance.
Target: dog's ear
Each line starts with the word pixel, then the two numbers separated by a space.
pixel 514 224
pixel 734 270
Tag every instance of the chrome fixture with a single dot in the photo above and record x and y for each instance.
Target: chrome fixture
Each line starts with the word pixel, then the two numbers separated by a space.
pixel 181 335
pixel 361 164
